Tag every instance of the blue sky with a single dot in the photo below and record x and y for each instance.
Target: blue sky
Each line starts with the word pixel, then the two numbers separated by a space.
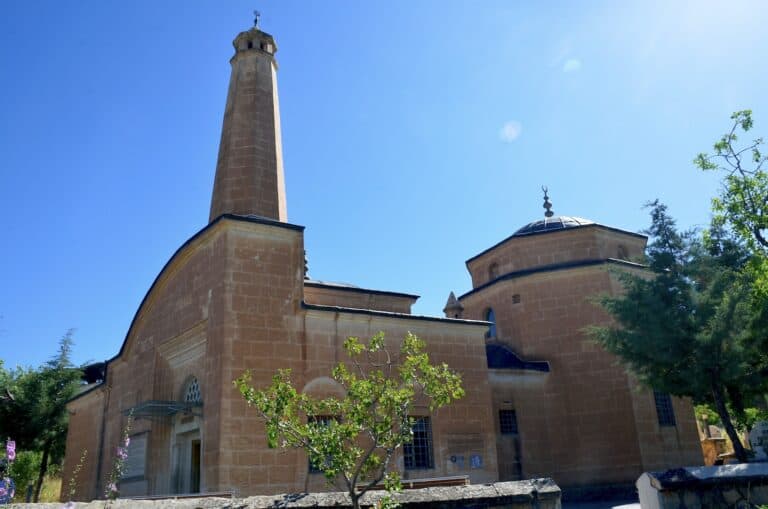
pixel 415 135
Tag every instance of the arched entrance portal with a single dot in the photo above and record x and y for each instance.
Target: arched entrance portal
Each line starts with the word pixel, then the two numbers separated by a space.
pixel 186 443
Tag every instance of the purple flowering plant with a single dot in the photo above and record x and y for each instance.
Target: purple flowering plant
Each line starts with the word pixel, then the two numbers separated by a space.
pixel 7 488
pixel 10 450
pixel 112 489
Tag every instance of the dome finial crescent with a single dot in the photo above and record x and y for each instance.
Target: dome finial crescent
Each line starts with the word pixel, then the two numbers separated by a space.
pixel 547 204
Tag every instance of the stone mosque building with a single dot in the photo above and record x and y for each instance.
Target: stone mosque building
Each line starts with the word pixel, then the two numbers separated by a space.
pixel 541 398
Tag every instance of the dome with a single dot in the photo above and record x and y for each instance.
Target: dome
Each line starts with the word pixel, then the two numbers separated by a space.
pixel 552 223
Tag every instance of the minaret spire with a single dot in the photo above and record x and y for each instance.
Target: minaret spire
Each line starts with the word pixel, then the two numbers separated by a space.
pixel 249 171
pixel 453 307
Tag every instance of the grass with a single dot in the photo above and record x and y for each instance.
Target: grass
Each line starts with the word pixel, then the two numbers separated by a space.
pixel 50 491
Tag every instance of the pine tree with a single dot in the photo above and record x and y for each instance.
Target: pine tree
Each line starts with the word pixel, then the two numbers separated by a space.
pixel 693 326
pixel 33 411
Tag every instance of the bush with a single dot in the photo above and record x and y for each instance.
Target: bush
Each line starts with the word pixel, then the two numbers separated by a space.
pixel 24 471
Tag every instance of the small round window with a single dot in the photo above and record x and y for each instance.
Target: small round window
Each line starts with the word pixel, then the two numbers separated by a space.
pixel 192 394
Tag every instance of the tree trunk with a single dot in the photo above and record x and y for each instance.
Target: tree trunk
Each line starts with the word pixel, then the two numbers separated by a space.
pixel 719 396
pixel 43 469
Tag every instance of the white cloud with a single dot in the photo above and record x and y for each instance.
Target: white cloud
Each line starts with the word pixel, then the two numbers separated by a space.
pixel 510 131
pixel 572 65
pixel 562 52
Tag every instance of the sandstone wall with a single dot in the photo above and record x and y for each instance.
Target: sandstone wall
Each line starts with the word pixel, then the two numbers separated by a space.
pixel 263 331
pixel 584 422
pixel 357 298
pixel 460 430
pixel 173 337
pixel 83 436
pixel 593 242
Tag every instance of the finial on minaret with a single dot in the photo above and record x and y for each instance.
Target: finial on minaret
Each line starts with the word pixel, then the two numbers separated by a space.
pixel 256 16
pixel 547 204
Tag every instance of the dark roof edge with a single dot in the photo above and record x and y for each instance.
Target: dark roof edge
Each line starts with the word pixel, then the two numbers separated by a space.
pixel 525 365
pixel 391 314
pixel 254 219
pixel 92 389
pixel 320 284
pixel 542 232
pixel 554 268
pixel 182 248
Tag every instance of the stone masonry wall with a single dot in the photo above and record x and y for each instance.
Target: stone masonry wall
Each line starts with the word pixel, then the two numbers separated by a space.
pixel 83 436
pixel 183 301
pixel 360 299
pixel 533 494
pixel 741 485
pixel 555 247
pixel 263 331
pixel 459 431
pixel 584 422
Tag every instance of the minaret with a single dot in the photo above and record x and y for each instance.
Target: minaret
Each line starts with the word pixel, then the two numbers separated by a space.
pixel 249 171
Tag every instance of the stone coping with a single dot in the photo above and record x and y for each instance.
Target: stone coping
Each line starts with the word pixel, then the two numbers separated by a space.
pixel 536 492
pixel 690 476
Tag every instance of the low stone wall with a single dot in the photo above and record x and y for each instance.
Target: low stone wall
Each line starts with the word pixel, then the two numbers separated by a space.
pixel 535 493
pixel 742 485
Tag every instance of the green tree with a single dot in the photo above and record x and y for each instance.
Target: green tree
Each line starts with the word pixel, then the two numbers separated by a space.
pixel 356 445
pixel 33 409
pixel 743 424
pixel 692 326
pixel 743 201
pixel 24 472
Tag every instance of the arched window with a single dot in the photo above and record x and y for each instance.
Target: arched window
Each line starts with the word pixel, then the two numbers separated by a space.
pixel 192 392
pixel 490 316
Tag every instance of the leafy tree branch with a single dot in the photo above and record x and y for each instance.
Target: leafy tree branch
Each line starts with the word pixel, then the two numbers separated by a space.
pixel 743 201
pixel 353 439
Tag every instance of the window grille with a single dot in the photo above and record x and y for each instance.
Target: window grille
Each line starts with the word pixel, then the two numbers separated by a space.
pixel 192 394
pixel 508 422
pixel 418 454
pixel 320 420
pixel 664 410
